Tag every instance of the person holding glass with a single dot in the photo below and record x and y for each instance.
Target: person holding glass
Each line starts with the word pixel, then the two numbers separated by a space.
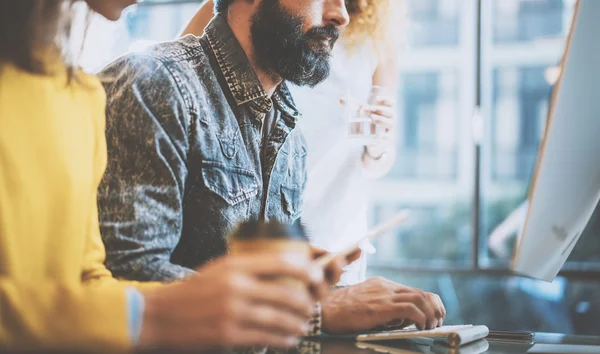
pixel 351 142
pixel 348 122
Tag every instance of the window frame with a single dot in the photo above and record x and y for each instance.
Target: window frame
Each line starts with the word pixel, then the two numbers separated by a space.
pixel 572 271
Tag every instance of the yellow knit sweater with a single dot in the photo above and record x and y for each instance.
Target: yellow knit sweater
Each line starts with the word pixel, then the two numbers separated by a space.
pixel 54 289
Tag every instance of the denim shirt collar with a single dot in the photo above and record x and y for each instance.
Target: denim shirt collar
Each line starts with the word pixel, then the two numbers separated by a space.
pixel 239 75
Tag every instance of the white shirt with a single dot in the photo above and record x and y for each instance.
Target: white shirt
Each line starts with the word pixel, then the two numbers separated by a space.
pixel 336 197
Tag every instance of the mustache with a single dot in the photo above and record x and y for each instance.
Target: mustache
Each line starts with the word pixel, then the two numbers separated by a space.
pixel 329 31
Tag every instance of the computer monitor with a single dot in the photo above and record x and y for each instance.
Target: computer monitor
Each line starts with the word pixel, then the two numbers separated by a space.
pixel 565 189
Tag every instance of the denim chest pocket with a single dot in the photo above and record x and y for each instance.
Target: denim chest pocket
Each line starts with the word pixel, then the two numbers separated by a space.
pixel 292 175
pixel 292 165
pixel 232 184
pixel 291 200
pixel 294 151
pixel 293 160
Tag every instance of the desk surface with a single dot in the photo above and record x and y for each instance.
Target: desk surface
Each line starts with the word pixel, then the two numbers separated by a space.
pixel 542 343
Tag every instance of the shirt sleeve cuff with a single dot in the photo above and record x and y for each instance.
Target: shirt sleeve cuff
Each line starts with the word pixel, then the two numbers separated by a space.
pixel 135 312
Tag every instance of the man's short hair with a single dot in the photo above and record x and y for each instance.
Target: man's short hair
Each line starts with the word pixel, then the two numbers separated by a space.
pixel 222 5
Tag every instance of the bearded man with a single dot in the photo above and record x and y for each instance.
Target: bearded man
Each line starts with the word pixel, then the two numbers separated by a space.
pixel 201 135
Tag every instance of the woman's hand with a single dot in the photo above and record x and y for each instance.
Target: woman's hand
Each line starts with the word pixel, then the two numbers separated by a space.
pixel 383 115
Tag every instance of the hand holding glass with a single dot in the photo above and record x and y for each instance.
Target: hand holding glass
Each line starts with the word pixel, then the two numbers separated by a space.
pixel 361 125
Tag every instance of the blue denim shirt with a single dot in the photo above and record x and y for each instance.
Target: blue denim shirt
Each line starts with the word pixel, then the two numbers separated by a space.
pixel 185 158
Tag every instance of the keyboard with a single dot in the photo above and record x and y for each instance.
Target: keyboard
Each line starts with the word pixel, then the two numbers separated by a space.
pixel 411 332
pixel 477 347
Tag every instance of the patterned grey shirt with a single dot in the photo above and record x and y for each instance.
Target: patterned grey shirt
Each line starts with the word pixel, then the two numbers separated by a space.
pixel 186 159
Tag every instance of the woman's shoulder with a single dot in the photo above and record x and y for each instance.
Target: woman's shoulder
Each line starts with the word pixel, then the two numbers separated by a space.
pixel 78 79
pixel 19 86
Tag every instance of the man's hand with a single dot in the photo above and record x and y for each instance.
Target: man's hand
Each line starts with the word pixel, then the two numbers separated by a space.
pixel 378 302
pixel 335 268
pixel 234 301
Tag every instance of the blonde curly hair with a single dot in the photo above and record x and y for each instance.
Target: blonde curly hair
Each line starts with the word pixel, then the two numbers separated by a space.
pixel 373 19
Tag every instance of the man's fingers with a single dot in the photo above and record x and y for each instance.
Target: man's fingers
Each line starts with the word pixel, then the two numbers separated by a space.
pixel 437 305
pixel 430 309
pixel 408 311
pixel 354 256
pixel 440 310
pixel 430 304
pixel 317 252
pixel 421 301
pixel 444 312
pixel 335 269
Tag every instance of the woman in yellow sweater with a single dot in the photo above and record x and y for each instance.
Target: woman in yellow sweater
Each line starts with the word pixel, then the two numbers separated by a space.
pixel 54 289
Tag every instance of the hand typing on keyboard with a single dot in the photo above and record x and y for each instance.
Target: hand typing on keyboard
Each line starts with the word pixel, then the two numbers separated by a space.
pixel 378 302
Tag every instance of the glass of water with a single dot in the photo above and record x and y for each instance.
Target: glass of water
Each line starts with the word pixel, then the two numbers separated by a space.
pixel 360 125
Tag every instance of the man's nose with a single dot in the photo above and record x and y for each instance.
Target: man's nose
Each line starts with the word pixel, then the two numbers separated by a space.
pixel 336 13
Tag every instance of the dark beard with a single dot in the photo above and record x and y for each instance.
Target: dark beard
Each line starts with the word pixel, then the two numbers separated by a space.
pixel 280 47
